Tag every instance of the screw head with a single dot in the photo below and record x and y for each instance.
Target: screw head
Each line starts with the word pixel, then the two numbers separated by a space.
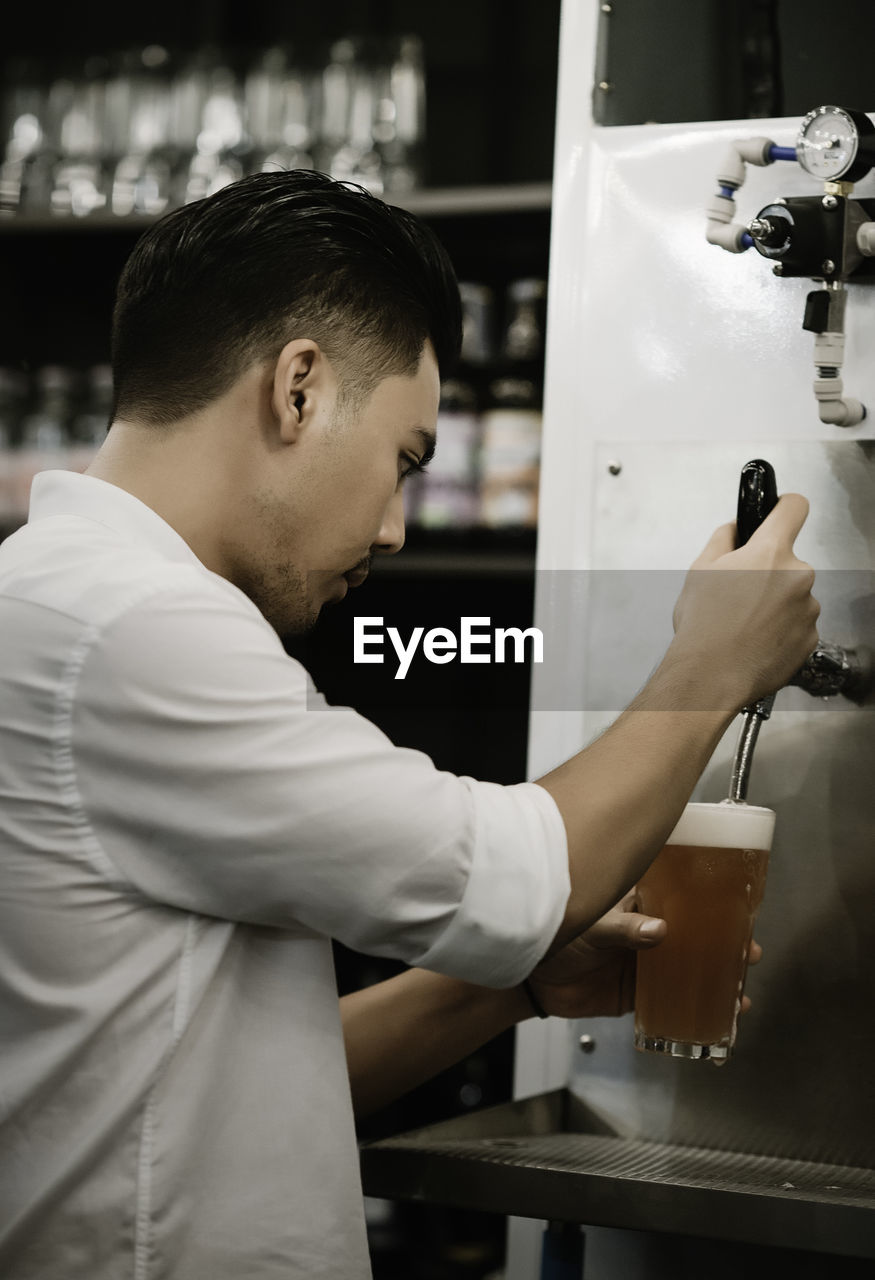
pixel 615 468
pixel 828 266
pixel 587 1044
pixel 829 202
pixel 778 269
pixel 605 86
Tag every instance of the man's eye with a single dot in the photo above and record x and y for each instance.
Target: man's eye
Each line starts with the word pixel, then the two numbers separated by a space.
pixel 409 467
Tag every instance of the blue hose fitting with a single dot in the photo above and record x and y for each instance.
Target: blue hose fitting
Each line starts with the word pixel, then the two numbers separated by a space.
pixel 781 153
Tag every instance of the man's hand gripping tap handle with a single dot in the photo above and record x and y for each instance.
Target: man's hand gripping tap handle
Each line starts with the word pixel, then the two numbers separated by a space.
pixel 828 670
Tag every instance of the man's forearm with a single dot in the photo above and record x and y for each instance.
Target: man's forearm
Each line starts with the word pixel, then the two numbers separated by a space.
pixel 402 1032
pixel 622 795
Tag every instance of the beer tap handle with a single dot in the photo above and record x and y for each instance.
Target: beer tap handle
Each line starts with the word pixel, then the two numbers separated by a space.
pixel 757 496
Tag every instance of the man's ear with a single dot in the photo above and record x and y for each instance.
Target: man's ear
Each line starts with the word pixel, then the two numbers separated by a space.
pixel 299 385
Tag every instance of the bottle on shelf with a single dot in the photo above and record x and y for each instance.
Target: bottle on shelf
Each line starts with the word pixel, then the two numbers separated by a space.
pixel 510 457
pixel 525 321
pixel 138 143
pixel 478 323
pixel 80 176
pixel 508 366
pixel 448 496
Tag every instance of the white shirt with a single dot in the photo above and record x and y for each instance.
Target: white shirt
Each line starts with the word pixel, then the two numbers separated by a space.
pixel 184 823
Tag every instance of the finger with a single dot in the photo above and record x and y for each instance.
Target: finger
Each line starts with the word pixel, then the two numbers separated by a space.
pixel 756 953
pixel 745 1003
pixel 721 542
pixel 651 930
pixel 626 929
pixel 785 520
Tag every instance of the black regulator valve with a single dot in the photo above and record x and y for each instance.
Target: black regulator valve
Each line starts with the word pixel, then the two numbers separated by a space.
pixel 814 236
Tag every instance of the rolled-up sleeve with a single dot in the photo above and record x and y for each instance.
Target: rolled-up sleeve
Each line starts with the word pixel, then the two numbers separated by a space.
pixel 209 776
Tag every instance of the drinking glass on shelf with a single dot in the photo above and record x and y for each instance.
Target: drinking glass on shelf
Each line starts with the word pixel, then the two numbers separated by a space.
pixel 280 100
pixel 263 99
pixel 189 85
pixel 222 146
pixel 79 179
pixel 139 132
pixel 399 123
pixel 22 115
pixel 348 110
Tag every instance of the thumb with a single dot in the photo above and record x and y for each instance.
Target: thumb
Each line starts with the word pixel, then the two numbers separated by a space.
pixel 629 929
pixel 721 542
pixel 785 520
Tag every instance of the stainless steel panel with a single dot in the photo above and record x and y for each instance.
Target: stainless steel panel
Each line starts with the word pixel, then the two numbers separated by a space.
pixel 800 1083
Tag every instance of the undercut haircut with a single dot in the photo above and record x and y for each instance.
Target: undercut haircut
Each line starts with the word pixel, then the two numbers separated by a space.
pixel 225 282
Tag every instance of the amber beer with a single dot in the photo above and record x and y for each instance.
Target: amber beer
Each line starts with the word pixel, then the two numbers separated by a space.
pixel 706 883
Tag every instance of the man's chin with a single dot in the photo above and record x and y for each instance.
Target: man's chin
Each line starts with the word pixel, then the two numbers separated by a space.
pixel 302 620
pixel 292 623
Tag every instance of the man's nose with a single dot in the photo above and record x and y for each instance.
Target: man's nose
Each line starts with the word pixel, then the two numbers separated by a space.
pixel 391 536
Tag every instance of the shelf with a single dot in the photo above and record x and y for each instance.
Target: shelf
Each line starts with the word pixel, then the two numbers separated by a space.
pixel 438 202
pixel 551 1157
pixel 456 564
pixel 459 201
pixel 55 224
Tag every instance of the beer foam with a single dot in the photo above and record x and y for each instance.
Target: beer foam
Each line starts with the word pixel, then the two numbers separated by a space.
pixel 725 826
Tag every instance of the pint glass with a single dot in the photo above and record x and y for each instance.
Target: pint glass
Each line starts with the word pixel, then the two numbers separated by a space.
pixel 706 883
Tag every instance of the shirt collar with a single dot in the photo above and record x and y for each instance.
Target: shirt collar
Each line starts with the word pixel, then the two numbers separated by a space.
pixel 67 493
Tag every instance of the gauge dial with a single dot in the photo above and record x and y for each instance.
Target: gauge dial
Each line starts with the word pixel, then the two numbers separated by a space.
pixel 836 144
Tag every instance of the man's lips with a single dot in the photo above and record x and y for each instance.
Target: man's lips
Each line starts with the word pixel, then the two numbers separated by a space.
pixel 356 577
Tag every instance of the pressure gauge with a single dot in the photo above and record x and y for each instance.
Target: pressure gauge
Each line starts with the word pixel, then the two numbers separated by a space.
pixel 834 144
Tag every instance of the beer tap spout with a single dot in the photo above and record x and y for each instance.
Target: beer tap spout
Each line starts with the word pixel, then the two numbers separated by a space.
pixel 829 671
pixel 752 718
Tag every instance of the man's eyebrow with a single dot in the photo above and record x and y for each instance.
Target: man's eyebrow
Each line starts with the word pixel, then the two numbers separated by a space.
pixel 429 443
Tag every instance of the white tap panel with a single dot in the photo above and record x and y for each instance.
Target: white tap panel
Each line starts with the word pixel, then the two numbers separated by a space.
pixel 670 364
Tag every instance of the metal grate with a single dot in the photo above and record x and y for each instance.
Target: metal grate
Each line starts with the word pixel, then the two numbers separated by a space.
pixel 535 1159
pixel 625 1159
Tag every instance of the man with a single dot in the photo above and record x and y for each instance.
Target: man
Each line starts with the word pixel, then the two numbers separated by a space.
pixel 185 824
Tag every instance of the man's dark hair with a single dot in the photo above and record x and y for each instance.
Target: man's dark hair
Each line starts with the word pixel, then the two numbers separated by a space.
pixel 219 284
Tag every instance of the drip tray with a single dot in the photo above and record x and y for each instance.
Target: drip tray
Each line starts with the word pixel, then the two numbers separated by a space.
pixel 550 1157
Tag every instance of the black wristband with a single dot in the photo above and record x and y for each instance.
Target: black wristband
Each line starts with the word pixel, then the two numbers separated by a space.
pixel 533 999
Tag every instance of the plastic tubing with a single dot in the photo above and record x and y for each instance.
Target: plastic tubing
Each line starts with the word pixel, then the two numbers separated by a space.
pixel 722 230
